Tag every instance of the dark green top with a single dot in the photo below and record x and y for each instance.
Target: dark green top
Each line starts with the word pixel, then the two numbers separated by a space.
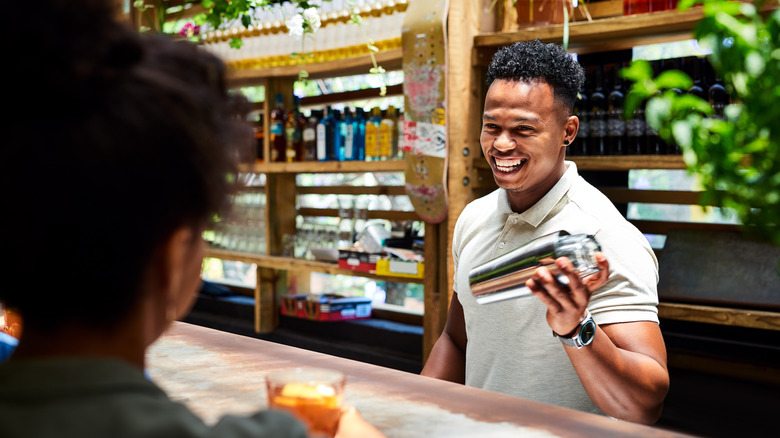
pixel 108 398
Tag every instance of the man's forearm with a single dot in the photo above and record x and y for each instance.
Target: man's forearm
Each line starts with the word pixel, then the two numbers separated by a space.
pixel 446 361
pixel 626 380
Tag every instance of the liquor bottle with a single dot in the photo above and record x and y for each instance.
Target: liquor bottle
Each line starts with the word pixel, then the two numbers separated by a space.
pixel 259 139
pixel 372 134
pixel 325 135
pixel 582 110
pixel 716 93
pixel 399 135
pixel 694 67
pixel 347 133
pixel 301 121
pixel 673 64
pixel 504 277
pixel 388 134
pixel 616 125
pixel 309 136
pixel 631 7
pixel 359 134
pixel 659 5
pixel 278 142
pixel 598 116
pixel 293 138
pixel 655 145
pixel 337 151
pixel 636 132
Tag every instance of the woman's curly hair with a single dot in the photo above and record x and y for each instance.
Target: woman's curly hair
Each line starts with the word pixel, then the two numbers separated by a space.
pixel 115 141
pixel 536 61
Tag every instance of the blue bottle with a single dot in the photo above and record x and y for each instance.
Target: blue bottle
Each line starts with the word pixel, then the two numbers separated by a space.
pixel 347 131
pixel 326 127
pixel 359 134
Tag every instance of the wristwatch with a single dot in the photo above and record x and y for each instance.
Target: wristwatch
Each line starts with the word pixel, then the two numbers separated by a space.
pixel 582 335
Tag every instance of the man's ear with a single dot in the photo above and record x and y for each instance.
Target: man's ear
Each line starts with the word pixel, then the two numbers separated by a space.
pixel 570 128
pixel 172 259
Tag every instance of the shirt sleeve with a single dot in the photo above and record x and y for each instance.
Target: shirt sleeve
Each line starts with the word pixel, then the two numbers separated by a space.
pixel 264 424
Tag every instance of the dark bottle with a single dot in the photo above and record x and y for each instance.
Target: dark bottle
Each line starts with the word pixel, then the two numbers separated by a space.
pixel 301 120
pixel 309 136
pixel 694 67
pixel 616 124
pixel 655 145
pixel 598 116
pixel 278 141
pixel 293 137
pixel 674 64
pixel 338 136
pixel 259 138
pixel 636 129
pixel 358 128
pixel 504 277
pixel 581 143
pixel 716 93
pixel 326 128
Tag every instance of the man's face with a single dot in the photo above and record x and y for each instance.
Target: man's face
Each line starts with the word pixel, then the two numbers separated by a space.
pixel 522 139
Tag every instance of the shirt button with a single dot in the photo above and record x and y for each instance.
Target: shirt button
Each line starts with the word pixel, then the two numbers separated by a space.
pixel 501 245
pixel 514 220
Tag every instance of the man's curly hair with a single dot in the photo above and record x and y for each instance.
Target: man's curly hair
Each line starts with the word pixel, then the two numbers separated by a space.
pixel 536 61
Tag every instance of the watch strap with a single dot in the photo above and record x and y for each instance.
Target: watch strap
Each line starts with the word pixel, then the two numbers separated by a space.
pixel 574 339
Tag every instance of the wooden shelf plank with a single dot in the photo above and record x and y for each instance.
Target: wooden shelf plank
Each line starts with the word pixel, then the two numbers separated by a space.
pixel 760 319
pixel 617 163
pixel 653 27
pixel 327 167
pixel 388 59
pixel 293 264
pixel 629 162
pixel 351 96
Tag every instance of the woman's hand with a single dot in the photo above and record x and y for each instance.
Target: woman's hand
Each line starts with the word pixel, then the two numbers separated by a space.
pixel 352 425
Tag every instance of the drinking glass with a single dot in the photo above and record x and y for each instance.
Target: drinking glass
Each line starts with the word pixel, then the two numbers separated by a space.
pixel 313 395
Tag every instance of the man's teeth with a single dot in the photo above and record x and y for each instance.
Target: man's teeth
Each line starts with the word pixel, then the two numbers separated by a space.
pixel 509 165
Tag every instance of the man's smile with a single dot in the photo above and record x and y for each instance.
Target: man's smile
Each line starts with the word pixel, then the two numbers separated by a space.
pixel 509 165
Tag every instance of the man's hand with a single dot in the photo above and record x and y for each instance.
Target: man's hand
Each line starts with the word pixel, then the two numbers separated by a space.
pixel 566 304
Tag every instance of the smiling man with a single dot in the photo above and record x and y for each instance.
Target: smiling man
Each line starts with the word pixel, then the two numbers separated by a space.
pixel 537 347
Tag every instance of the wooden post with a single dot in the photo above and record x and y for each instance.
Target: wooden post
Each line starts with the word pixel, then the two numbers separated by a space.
pixel 464 109
pixel 280 192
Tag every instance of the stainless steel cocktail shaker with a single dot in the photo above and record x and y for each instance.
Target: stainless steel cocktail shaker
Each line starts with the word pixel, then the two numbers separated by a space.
pixel 504 277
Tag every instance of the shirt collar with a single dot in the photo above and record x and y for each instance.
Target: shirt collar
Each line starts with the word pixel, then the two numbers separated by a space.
pixel 536 214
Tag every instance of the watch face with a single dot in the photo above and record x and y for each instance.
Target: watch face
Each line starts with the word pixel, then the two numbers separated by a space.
pixel 588 332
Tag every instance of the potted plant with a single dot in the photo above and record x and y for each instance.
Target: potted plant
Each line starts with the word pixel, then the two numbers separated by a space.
pixel 735 151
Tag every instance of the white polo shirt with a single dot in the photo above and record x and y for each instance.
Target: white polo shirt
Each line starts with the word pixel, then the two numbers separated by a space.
pixel 510 346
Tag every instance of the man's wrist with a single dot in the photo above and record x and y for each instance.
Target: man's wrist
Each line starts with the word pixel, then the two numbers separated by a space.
pixel 582 335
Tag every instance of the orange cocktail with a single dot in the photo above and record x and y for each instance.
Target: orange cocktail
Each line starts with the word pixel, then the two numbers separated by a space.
pixel 312 395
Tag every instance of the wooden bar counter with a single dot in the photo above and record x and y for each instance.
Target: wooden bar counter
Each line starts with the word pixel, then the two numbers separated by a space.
pixel 216 373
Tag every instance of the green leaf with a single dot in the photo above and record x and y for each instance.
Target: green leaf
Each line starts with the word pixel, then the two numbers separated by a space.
pixel 235 43
pixel 632 103
pixel 689 102
pixel 684 5
pixel 657 111
pixel 246 20
pixel 682 133
pixel 671 79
